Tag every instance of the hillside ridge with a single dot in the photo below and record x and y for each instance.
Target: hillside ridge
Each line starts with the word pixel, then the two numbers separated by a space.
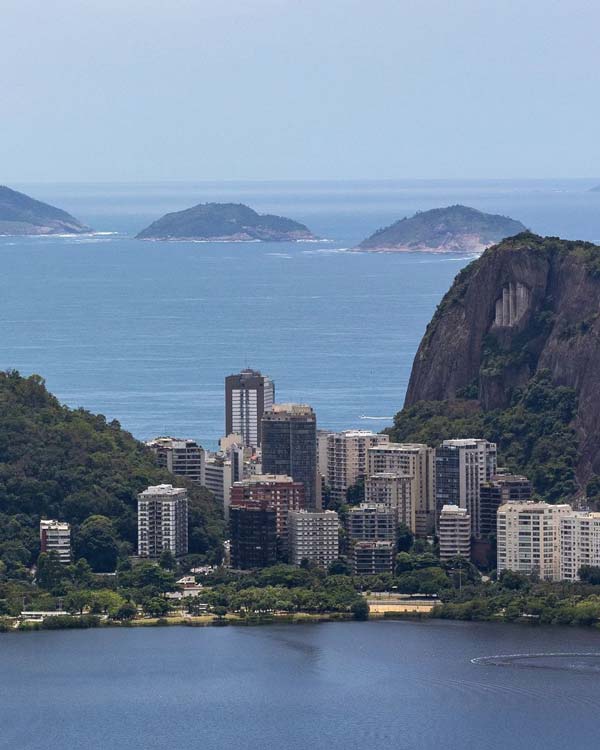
pixel 22 215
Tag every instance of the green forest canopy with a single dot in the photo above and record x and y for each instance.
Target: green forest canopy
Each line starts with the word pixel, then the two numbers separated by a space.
pixel 69 464
pixel 534 434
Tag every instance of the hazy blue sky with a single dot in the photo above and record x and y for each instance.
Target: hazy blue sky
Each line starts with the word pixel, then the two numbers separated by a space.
pixel 201 89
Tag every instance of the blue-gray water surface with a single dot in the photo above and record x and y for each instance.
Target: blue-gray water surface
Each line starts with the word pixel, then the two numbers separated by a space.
pixel 145 332
pixel 341 686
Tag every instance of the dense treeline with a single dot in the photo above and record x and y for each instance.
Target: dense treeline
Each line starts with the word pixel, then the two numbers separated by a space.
pixel 534 434
pixel 515 597
pixel 72 465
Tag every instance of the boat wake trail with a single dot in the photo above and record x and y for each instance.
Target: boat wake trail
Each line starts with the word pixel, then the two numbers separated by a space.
pixel 571 662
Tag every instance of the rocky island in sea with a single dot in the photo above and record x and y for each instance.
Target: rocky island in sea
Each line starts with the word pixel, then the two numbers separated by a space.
pixel 22 215
pixel 455 229
pixel 225 222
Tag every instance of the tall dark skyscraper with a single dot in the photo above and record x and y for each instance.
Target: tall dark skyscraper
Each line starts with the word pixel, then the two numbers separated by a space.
pixel 253 533
pixel 247 396
pixel 289 446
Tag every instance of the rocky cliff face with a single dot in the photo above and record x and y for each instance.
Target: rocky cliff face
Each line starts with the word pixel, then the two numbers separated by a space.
pixel 528 304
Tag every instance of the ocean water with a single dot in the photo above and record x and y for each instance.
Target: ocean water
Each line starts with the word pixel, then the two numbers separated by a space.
pixel 344 686
pixel 145 332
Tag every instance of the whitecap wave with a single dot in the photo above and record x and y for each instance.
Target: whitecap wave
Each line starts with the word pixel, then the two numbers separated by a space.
pixel 327 251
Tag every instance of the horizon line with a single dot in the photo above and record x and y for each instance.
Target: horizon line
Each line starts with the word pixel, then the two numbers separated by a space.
pixel 295 180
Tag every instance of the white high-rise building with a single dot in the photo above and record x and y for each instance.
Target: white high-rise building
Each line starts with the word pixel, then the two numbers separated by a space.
pixel 529 535
pixel 461 467
pixel 162 521
pixel 414 460
pixel 579 536
pixel 343 458
pixel 218 478
pixel 55 536
pixel 454 532
pixel 313 536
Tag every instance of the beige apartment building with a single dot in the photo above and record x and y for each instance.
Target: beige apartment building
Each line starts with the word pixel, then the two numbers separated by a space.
pixel 454 532
pixel 414 460
pixel 395 492
pixel 343 458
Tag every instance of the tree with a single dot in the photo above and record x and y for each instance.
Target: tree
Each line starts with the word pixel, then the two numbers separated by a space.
pixel 49 570
pixel 167 560
pixel 81 573
pixel 355 494
pixel 96 541
pixel 127 611
pixel 105 601
pixel 157 606
pixel 339 568
pixel 404 539
pixel 360 609
pixel 77 601
pixel 510 579
pixel 590 574
pixel 150 577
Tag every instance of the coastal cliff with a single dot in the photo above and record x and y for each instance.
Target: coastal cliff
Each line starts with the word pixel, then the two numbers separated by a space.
pixel 529 306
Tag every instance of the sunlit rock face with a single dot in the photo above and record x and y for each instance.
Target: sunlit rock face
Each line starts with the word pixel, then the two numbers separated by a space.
pixel 528 304
pixel 512 304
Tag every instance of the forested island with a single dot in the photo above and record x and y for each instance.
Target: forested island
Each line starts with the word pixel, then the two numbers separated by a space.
pixel 22 215
pixel 455 229
pixel 225 222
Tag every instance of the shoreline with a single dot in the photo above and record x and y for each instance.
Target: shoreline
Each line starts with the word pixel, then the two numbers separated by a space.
pixel 88 622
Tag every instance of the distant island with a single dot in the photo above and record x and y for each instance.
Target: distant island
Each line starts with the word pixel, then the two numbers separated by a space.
pixel 225 222
pixel 22 215
pixel 595 189
pixel 455 229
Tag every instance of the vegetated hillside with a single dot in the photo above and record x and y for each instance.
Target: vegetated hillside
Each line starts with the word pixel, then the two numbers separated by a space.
pixel 443 230
pixel 72 465
pixel 525 314
pixel 20 215
pixel 534 433
pixel 225 221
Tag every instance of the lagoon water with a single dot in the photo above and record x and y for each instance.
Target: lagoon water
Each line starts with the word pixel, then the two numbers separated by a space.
pixel 145 332
pixel 344 686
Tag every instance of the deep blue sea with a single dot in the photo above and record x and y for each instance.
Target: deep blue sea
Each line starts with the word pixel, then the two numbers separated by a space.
pixel 145 332
pixel 340 686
